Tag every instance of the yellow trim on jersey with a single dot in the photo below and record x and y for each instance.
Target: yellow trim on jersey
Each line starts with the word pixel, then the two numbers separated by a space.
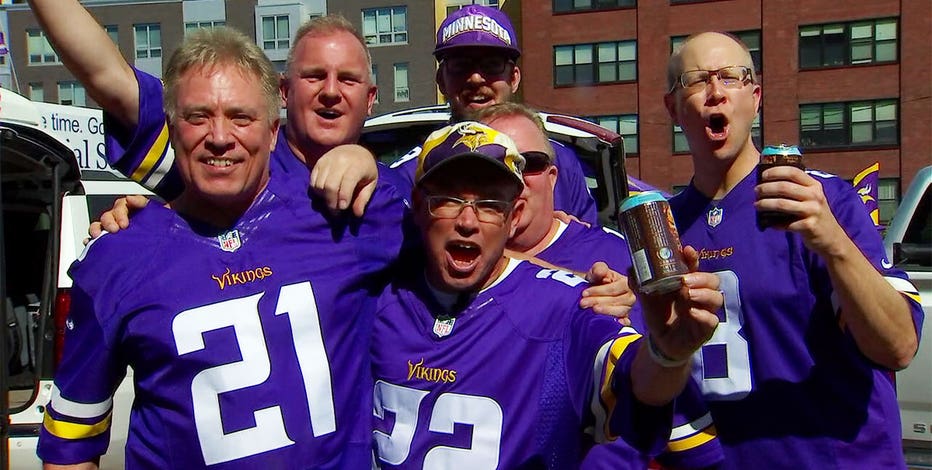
pixel 619 345
pixel 152 157
pixel 66 430
pixel 693 441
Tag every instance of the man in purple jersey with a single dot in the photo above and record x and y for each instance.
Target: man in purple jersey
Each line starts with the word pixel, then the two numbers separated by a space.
pixel 477 49
pixel 249 348
pixel 575 247
pixel 482 361
pixel 327 89
pixel 798 373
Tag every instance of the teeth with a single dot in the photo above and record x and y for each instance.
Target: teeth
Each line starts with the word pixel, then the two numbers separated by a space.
pixel 221 162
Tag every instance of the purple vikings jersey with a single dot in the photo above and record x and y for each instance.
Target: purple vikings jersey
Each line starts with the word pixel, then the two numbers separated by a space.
pixel 786 383
pixel 692 443
pixel 511 381
pixel 142 153
pixel 249 349
pixel 570 195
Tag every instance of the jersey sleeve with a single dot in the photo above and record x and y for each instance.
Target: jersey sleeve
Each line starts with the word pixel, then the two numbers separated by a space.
pixel 571 194
pixel 76 425
pixel 405 168
pixel 144 154
pixel 601 356
pixel 855 218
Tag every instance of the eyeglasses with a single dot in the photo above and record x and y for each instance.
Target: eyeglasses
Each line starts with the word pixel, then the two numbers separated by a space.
pixel 490 211
pixel 733 76
pixel 489 65
pixel 535 162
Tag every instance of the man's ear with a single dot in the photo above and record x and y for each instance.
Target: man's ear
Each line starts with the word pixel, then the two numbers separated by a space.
pixel 515 78
pixel 757 97
pixel 552 173
pixel 516 212
pixel 441 85
pixel 283 89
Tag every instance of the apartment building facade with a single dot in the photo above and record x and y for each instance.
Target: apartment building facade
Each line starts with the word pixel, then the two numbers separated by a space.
pixel 147 32
pixel 850 82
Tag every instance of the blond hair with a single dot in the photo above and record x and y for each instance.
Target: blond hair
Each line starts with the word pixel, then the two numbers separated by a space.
pixel 329 24
pixel 507 109
pixel 215 47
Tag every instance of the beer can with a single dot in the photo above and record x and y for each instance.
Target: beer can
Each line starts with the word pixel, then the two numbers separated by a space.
pixel 771 156
pixel 654 243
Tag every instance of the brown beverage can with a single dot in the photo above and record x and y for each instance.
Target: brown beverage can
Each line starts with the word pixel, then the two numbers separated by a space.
pixel 771 156
pixel 654 243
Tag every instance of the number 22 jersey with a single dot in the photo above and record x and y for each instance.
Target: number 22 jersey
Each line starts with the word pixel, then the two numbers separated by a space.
pixel 512 382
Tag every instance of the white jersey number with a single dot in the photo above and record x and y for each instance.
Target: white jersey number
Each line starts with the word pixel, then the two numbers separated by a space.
pixel 482 413
pixel 296 301
pixel 736 383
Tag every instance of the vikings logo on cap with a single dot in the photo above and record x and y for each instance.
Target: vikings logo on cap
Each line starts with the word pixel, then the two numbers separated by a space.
pixel 477 26
pixel 469 140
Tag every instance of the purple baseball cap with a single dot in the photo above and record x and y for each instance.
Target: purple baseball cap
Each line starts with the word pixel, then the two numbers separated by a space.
pixel 472 141
pixel 477 26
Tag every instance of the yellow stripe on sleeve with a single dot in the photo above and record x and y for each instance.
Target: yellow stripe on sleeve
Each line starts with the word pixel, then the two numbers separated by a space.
pixel 618 348
pixel 152 157
pixel 66 430
pixel 693 441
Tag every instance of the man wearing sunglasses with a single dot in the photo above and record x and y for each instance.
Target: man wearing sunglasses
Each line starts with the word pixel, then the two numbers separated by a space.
pixel 485 361
pixel 575 247
pixel 816 319
pixel 477 50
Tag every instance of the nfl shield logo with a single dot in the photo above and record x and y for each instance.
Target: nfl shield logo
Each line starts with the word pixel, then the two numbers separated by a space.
pixel 229 241
pixel 443 327
pixel 714 217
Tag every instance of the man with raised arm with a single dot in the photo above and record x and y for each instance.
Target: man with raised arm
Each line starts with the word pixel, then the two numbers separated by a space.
pixel 327 89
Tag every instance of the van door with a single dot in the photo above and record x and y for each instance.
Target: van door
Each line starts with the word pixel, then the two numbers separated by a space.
pixel 36 171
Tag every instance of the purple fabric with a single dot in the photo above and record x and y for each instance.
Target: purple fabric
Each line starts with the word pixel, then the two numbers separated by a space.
pixel 786 383
pixel 216 338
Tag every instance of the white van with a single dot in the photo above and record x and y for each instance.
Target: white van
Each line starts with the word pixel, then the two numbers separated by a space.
pixel 52 187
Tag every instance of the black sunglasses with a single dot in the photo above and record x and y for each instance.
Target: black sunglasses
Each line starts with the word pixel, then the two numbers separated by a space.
pixel 535 162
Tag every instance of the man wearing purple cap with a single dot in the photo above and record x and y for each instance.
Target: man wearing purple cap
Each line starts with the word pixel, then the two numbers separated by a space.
pixel 485 361
pixel 477 49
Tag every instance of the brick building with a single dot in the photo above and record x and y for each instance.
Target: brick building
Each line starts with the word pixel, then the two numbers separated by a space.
pixel 849 81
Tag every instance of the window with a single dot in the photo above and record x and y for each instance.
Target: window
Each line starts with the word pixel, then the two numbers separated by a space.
pixel 854 43
pixel 71 93
pixel 626 125
pixel 586 64
pixel 276 33
pixel 851 124
pixel 113 32
pixel 375 81
pixel 888 198
pixel 192 26
pixel 751 39
pixel 385 25
pixel 401 82
pixel 40 51
pixel 680 145
pixel 563 6
pixel 36 92
pixel 148 41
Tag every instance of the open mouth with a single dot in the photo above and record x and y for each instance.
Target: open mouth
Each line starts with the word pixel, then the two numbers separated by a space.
pixel 328 113
pixel 479 100
pixel 717 126
pixel 463 255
